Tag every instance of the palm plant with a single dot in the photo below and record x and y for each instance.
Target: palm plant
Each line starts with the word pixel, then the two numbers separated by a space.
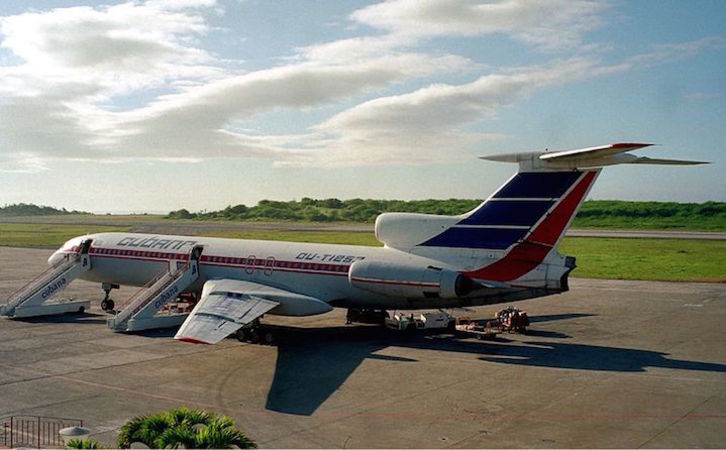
pixel 83 444
pixel 178 436
pixel 182 427
pixel 131 432
pixel 221 433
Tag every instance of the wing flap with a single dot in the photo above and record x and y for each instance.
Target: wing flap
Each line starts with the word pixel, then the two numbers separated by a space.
pixel 235 307
pixel 225 307
pixel 206 329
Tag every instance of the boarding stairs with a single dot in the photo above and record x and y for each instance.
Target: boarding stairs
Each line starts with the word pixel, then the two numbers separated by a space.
pixel 34 299
pixel 142 311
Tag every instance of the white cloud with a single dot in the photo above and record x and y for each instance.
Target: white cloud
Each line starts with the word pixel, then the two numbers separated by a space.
pixel 196 120
pixel 425 126
pixel 89 56
pixel 61 101
pixel 71 59
pixel 668 53
pixel 125 46
pixel 548 24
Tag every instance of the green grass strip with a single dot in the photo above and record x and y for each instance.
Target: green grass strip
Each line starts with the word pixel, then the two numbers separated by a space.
pixel 323 237
pixel 45 235
pixel 647 259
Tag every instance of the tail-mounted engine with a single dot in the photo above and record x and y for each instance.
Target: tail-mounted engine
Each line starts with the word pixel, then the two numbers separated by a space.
pixel 409 280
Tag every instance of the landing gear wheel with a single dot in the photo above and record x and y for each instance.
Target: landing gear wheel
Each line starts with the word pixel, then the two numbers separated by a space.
pixel 107 304
pixel 81 310
pixel 254 334
pixel 241 335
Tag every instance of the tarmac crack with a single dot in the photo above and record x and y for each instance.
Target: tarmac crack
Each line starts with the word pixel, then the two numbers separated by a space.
pixel 676 421
pixel 46 405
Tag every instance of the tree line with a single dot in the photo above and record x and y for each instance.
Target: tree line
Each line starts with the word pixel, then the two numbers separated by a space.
pixel 327 210
pixel 366 210
pixel 29 209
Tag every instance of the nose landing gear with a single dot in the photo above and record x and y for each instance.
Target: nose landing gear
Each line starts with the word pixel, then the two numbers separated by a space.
pixel 107 303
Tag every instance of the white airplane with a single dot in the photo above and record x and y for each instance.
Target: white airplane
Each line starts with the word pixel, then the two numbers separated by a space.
pixel 503 250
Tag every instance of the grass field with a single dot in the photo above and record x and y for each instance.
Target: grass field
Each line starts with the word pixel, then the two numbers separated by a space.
pixel 608 258
pixel 647 259
pixel 324 237
pixel 652 223
pixel 45 235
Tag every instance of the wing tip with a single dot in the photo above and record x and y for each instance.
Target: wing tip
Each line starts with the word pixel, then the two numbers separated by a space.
pixel 191 340
pixel 632 145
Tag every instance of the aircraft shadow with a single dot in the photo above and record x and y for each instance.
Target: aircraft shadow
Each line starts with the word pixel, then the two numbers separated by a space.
pixel 313 363
pixel 156 332
pixel 563 355
pixel 547 334
pixel 77 318
pixel 553 317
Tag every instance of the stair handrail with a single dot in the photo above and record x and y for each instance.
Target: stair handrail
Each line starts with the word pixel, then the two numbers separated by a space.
pixel 144 295
pixel 163 272
pixel 193 257
pixel 173 277
pixel 52 272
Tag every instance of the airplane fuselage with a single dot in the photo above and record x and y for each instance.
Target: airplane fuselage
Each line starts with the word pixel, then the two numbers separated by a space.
pixel 322 271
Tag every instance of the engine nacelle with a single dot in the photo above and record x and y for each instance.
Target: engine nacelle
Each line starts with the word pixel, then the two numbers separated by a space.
pixel 408 280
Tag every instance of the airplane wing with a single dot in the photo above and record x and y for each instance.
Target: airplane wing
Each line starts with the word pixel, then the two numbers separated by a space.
pixel 225 306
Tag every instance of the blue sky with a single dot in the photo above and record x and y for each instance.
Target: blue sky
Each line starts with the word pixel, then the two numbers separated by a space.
pixel 157 105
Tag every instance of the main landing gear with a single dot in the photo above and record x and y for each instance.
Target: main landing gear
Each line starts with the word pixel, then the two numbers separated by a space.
pixel 107 303
pixel 371 316
pixel 254 333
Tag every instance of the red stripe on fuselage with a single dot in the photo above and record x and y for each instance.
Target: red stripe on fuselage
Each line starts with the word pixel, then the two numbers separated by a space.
pixel 532 251
pixel 220 261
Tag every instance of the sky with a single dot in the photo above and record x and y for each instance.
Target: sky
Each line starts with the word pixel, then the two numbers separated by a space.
pixel 151 106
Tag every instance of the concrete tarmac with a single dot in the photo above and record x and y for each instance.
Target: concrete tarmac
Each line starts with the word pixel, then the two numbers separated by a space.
pixel 608 364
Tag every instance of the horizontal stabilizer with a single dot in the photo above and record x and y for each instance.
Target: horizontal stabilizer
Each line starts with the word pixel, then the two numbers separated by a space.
pixel 593 152
pixel 585 158
pixel 667 162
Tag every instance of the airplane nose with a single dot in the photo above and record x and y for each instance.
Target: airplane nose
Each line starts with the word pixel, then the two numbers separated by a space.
pixel 56 258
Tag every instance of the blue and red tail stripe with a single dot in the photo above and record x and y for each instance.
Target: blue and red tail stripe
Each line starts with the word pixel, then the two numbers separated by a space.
pixel 529 253
pixel 509 215
pixel 527 185
pixel 509 212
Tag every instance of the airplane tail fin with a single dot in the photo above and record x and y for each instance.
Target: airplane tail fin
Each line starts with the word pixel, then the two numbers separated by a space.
pixel 534 205
pixel 528 216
